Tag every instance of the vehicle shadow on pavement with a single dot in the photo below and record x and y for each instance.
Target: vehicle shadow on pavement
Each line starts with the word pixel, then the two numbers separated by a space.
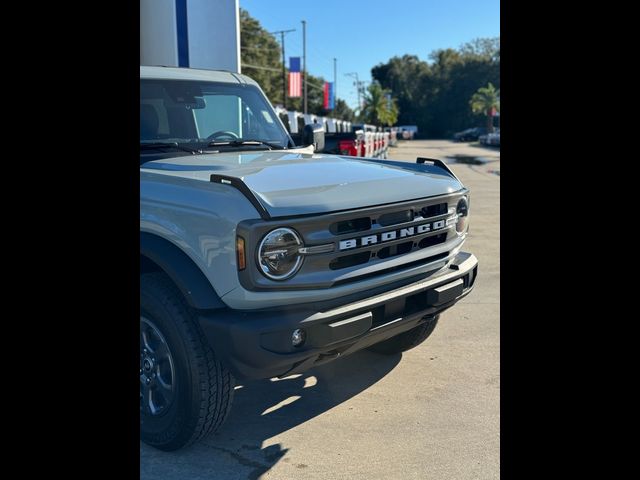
pixel 491 148
pixel 263 409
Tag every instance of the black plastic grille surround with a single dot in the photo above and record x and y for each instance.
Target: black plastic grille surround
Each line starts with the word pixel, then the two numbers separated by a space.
pixel 337 263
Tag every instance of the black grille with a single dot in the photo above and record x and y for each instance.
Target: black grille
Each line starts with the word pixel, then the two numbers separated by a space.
pixel 387 219
pixel 395 217
pixel 434 210
pixel 380 250
pixel 394 250
pixel 350 226
pixel 431 241
pixel 349 260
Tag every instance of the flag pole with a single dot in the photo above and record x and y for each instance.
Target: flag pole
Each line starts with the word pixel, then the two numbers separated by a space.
pixel 304 61
pixel 284 70
pixel 335 82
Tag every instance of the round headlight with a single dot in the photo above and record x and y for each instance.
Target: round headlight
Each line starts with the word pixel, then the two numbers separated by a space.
pixel 462 210
pixel 278 255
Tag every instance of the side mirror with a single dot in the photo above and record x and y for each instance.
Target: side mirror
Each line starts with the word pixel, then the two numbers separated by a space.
pixel 313 134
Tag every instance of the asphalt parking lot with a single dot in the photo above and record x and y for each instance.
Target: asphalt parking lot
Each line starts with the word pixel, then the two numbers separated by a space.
pixel 430 413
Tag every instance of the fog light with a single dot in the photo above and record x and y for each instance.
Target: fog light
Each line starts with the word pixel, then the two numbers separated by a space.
pixel 298 337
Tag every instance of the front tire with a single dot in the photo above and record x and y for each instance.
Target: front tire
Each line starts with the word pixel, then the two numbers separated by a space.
pixel 406 340
pixel 185 392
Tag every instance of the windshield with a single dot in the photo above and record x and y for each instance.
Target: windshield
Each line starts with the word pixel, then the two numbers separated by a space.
pixel 203 113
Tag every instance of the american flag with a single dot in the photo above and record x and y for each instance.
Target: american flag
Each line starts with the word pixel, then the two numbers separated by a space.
pixel 295 78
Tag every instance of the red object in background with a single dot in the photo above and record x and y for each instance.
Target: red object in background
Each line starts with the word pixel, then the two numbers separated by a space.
pixel 348 147
pixel 325 90
pixel 492 112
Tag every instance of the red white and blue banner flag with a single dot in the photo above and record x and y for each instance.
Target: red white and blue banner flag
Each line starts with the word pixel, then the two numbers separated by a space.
pixel 295 77
pixel 329 97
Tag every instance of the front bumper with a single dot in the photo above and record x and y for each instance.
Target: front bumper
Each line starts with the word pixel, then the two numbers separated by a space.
pixel 257 343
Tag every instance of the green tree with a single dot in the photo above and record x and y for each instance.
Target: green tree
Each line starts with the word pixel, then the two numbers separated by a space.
pixel 486 48
pixel 434 94
pixel 406 77
pixel 261 56
pixel 342 111
pixel 484 101
pixel 379 108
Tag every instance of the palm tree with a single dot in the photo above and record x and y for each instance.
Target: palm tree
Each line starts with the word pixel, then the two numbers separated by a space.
pixel 486 101
pixel 379 108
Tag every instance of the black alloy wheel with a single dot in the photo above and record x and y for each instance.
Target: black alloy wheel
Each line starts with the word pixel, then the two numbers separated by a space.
pixel 157 370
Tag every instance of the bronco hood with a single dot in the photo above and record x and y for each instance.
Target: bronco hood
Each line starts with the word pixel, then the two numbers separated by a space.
pixel 293 183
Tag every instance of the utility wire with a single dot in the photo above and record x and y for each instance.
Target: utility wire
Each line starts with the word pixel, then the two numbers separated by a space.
pixel 271 49
pixel 314 85
pixel 260 67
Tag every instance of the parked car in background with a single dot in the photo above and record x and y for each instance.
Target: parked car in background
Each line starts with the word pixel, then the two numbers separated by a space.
pixel 490 138
pixel 469 135
pixel 407 132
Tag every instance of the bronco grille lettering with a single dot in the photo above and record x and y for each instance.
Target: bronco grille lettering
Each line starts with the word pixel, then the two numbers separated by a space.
pixel 392 235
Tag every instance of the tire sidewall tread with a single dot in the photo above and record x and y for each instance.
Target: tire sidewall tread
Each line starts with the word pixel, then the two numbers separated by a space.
pixel 202 408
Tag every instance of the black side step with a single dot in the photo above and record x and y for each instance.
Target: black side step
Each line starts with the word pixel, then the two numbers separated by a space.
pixel 246 191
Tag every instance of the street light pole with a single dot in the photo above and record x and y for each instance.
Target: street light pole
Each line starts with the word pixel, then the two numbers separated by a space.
pixel 356 83
pixel 335 81
pixel 284 70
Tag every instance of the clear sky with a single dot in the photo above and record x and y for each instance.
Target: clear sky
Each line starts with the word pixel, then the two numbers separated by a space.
pixel 363 33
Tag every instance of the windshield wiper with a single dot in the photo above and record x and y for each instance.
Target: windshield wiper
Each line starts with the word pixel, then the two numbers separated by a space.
pixel 242 143
pixel 176 145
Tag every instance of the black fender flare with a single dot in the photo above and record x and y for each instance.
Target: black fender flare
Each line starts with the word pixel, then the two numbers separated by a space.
pixel 186 275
